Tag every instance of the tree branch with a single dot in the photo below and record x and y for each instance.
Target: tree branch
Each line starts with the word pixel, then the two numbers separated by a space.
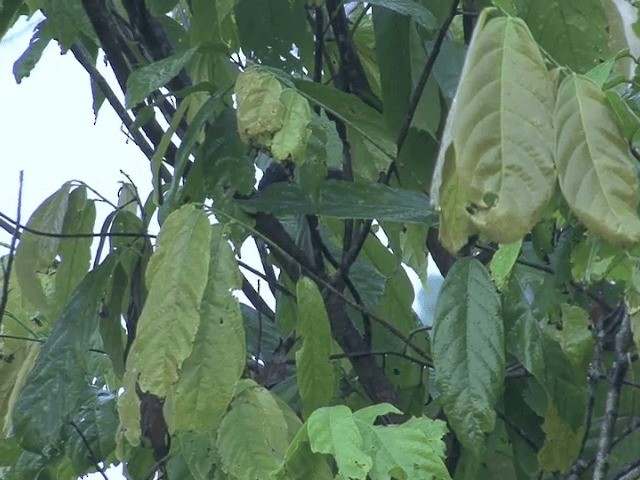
pixel 620 365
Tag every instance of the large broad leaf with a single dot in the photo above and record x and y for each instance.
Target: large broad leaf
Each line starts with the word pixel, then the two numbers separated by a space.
pixel 145 80
pixel 253 436
pixel 204 390
pixel 316 379
pixel 353 111
pixel 573 32
pixel 36 253
pixel 41 415
pixel 340 199
pixel 74 253
pixel 597 175
pixel 468 351
pixel 499 136
pixel 176 277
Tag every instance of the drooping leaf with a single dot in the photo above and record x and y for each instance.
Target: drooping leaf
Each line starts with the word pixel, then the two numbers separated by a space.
pixel 204 390
pixel 260 111
pixel 25 64
pixel 340 199
pixel 468 351
pixel 596 174
pixel 316 379
pixel 499 136
pixel 176 278
pixel 74 253
pixel 40 417
pixel 291 140
pixel 252 439
pixel 36 253
pixel 146 79
pixel 353 111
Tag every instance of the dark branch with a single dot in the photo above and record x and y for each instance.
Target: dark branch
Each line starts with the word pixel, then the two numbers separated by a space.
pixel 6 270
pixel 92 456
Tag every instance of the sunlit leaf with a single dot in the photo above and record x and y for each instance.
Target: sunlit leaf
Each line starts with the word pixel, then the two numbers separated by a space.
pixel 596 173
pixel 176 278
pixel 468 351
pixel 498 135
pixel 204 390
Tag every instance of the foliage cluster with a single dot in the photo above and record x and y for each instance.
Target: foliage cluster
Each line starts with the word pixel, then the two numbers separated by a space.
pixel 498 137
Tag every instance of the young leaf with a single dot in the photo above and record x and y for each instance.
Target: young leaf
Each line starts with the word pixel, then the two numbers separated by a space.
pixel 204 390
pixel 502 263
pixel 333 431
pixel 176 278
pixel 316 379
pixel 596 173
pixel 499 135
pixel 145 80
pixel 468 351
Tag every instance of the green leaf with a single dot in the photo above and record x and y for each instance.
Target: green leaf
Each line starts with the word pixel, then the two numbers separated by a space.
pixel 316 379
pixel 468 351
pixel 626 118
pixel 36 253
pixel 291 139
pixel 262 334
pixel 160 7
pixel 40 417
pixel 97 421
pixel 260 111
pixel 540 354
pixel 572 32
pixel 204 390
pixel 561 444
pixel 596 173
pixel 414 10
pixel 176 278
pixel 353 111
pixel 502 263
pixel 333 431
pixel 9 14
pixel 68 21
pixel 392 32
pixel 146 79
pixel 25 64
pixel 340 199
pixel 74 253
pixel 413 450
pixel 498 137
pixel 253 436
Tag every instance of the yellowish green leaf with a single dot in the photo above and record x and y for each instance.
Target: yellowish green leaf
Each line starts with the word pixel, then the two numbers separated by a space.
pixel 291 139
pixel 502 263
pixel 596 173
pixel 561 444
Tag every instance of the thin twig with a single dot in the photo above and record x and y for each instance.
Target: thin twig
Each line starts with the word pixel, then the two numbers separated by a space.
pixel 426 73
pixel 19 226
pixel 92 456
pixel 379 353
pixel 42 340
pixel 6 271
pixel 620 365
pixel 258 273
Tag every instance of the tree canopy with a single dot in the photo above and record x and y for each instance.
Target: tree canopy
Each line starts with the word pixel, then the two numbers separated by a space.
pixel 345 143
